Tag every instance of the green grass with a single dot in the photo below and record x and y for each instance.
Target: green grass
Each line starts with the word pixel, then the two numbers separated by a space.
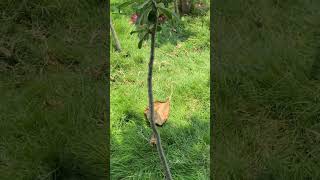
pixel 52 103
pixel 182 67
pixel 267 92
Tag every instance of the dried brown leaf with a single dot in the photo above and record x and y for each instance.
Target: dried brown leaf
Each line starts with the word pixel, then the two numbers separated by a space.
pixel 161 112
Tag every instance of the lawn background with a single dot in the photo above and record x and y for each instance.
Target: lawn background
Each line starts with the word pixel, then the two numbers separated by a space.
pixel 267 89
pixel 182 66
pixel 53 90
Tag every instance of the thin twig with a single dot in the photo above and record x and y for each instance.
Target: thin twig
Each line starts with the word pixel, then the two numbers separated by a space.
pixel 115 37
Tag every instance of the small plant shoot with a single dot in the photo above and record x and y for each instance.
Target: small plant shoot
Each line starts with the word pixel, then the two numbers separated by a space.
pixel 149 17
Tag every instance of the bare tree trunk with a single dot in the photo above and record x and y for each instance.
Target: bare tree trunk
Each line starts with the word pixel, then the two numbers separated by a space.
pixel 115 37
pixel 176 9
pixel 150 95
pixel 184 7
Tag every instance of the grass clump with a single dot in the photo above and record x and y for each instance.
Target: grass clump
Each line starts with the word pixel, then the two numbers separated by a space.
pixel 52 120
pixel 267 93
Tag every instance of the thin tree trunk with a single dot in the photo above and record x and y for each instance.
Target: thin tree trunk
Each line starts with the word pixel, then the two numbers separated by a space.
pixel 176 9
pixel 184 7
pixel 150 95
pixel 115 37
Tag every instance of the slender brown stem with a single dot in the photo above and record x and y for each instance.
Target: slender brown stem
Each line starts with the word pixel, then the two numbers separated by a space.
pixel 115 37
pixel 150 95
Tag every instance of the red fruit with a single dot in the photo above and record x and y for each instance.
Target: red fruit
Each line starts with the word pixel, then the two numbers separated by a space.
pixel 162 18
pixel 134 18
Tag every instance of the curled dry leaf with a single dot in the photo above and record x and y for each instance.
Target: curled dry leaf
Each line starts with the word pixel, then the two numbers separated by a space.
pixel 161 115
pixel 161 112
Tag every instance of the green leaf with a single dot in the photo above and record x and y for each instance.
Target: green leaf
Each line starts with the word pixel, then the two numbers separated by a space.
pixel 160 4
pixel 138 30
pixel 125 4
pixel 140 44
pixel 141 40
pixel 142 19
pixel 152 16
pixel 151 27
pixel 159 28
pixel 141 30
pixel 144 4
pixel 165 11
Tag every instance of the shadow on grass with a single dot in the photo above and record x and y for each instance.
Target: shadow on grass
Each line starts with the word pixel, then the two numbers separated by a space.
pixel 186 148
pixel 49 128
pixel 132 116
pixel 68 166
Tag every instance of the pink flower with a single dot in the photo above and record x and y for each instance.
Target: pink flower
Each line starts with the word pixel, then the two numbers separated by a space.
pixel 134 18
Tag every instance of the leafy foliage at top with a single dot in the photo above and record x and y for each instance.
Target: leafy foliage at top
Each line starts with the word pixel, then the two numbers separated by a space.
pixel 150 14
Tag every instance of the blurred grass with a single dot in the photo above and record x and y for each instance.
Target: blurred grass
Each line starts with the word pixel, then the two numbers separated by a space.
pixel 52 103
pixel 267 90
pixel 182 67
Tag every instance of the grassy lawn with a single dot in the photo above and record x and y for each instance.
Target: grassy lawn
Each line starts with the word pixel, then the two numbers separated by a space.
pixel 52 103
pixel 267 90
pixel 182 68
